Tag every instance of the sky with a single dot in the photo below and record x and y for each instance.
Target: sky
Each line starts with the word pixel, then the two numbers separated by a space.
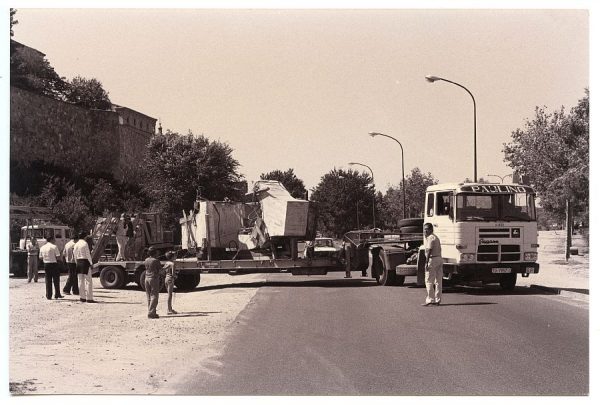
pixel 301 89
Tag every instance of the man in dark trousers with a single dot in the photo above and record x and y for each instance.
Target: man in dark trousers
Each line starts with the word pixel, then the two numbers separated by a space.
pixel 51 255
pixel 69 258
pixel 152 281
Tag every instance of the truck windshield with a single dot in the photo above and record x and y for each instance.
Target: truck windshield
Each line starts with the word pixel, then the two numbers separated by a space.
pixel 36 233
pixel 495 207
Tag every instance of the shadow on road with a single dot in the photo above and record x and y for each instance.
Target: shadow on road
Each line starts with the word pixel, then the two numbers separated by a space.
pixel 492 290
pixel 342 283
pixel 189 314
pixel 468 303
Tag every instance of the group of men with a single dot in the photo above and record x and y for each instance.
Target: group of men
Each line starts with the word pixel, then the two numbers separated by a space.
pixel 78 259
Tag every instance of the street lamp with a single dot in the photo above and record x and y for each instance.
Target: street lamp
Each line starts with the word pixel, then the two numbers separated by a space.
pixel 372 177
pixel 432 79
pixel 500 177
pixel 374 134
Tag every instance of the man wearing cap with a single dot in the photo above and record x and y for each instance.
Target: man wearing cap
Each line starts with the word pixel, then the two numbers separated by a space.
pixel 152 281
pixel 433 266
pixel 83 259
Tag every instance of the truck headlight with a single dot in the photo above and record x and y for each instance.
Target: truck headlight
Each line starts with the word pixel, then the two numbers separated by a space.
pixel 530 256
pixel 467 257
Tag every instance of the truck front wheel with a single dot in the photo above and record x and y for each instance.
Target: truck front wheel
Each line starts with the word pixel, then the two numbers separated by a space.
pixel 508 281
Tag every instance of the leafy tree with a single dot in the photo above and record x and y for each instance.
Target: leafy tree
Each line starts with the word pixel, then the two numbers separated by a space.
pixel 30 70
pixel 293 184
pixel 182 167
pixel 552 151
pixel 13 22
pixel 87 93
pixel 67 202
pixel 345 201
pixel 393 200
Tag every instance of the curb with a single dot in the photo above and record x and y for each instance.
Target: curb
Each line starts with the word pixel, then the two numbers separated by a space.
pixel 564 293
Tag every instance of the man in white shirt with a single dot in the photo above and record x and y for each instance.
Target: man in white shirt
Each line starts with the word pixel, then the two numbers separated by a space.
pixel 83 259
pixel 433 266
pixel 72 267
pixel 50 254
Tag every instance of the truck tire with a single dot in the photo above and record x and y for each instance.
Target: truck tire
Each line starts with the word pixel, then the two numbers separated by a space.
pixel 142 282
pixel 508 281
pixel 418 222
pixel 399 280
pixel 187 282
pixel 112 277
pixel 411 229
pixel 386 277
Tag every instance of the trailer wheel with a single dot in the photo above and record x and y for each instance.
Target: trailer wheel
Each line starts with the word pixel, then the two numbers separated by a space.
pixel 112 277
pixel 418 222
pixel 386 277
pixel 187 282
pixel 399 280
pixel 508 281
pixel 142 282
pixel 411 229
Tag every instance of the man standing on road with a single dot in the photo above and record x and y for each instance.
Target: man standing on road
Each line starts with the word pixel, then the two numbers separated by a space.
pixel 83 258
pixel 51 255
pixel 433 266
pixel 71 283
pixel 152 281
pixel 33 251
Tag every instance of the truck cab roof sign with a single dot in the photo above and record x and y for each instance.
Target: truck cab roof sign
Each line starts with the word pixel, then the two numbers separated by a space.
pixel 496 189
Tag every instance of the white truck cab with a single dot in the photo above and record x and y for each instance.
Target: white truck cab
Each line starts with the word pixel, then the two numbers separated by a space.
pixel 61 233
pixel 488 232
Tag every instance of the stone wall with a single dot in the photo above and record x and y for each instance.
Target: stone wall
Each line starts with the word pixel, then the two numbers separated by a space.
pixel 84 141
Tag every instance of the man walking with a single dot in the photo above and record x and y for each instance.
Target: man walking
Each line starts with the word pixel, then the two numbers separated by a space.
pixel 433 266
pixel 71 283
pixel 152 282
pixel 51 255
pixel 83 260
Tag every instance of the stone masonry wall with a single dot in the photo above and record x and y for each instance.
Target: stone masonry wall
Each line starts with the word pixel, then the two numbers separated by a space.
pixel 60 133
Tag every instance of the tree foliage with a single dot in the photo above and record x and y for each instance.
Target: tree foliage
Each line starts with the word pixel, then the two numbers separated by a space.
pixel 87 93
pixel 30 70
pixel 392 205
pixel 552 150
pixel 180 168
pixel 345 201
pixel 13 22
pixel 293 184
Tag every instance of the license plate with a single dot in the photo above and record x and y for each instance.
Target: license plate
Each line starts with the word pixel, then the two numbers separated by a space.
pixel 529 269
pixel 501 270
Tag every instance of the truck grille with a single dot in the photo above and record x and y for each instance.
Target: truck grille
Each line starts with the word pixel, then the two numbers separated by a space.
pixel 498 253
pixel 494 232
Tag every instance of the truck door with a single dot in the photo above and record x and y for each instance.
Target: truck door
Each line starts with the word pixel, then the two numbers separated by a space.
pixel 443 220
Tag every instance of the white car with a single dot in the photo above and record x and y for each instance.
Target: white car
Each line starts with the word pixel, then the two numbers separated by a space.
pixel 320 247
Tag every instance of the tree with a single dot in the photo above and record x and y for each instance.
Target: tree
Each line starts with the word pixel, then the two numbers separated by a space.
pixel 30 70
pixel 392 204
pixel 13 22
pixel 552 151
pixel 87 93
pixel 344 200
pixel 181 168
pixel 293 184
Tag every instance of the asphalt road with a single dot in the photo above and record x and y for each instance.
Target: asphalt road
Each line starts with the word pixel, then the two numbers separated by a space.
pixel 334 336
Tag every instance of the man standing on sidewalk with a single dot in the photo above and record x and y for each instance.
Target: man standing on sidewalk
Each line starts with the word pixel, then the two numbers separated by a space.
pixel 83 258
pixel 152 282
pixel 51 255
pixel 71 283
pixel 433 266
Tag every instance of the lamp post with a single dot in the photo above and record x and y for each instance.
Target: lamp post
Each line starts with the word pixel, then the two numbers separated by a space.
pixel 500 177
pixel 432 79
pixel 372 177
pixel 374 134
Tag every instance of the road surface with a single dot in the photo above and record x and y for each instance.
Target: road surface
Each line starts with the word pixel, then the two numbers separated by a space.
pixel 332 336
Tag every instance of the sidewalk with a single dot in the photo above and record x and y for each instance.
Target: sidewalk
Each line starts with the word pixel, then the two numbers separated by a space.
pixel 556 275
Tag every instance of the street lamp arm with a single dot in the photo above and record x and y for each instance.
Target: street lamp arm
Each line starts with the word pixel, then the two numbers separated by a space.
pixel 374 134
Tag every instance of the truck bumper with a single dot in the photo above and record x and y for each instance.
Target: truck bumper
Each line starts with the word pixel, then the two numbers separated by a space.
pixel 488 271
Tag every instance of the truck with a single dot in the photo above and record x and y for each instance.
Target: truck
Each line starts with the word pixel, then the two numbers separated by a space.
pixel 40 223
pixel 488 234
